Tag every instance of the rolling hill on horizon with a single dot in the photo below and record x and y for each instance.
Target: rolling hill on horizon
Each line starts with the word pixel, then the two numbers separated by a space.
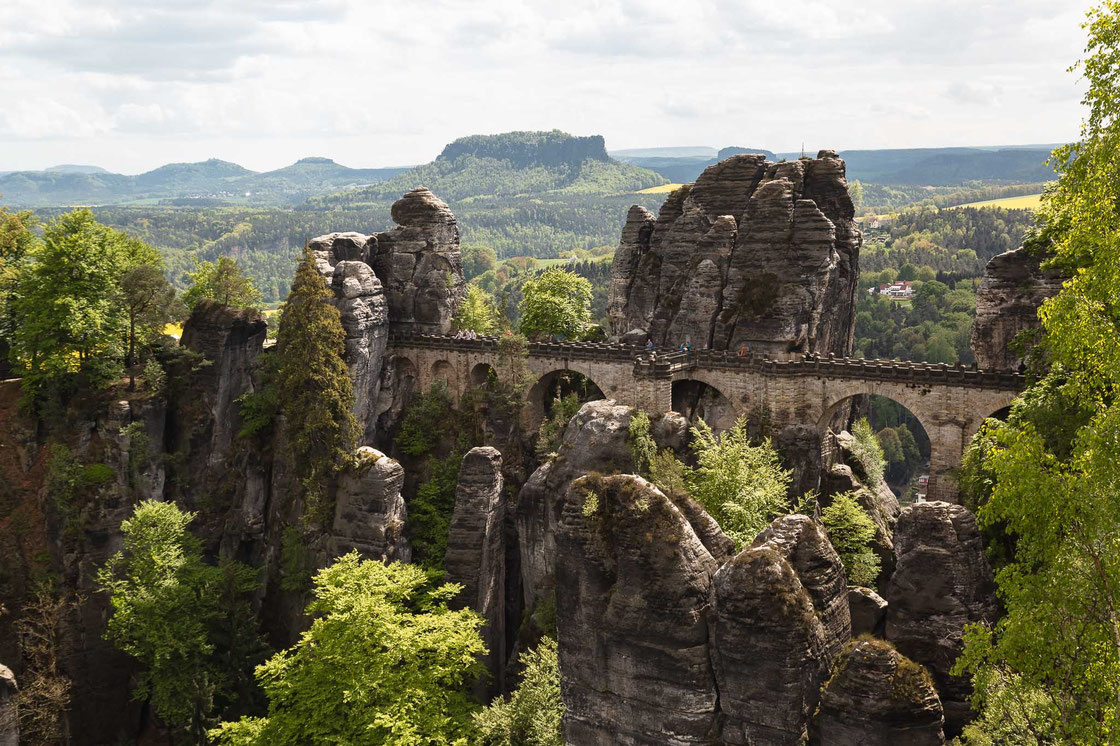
pixel 211 180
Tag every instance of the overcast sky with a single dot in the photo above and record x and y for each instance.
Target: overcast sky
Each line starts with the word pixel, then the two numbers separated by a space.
pixel 132 84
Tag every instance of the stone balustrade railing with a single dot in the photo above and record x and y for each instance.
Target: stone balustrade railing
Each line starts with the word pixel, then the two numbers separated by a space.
pixel 666 362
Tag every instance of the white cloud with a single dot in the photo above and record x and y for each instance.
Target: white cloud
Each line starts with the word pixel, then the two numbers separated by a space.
pixel 130 84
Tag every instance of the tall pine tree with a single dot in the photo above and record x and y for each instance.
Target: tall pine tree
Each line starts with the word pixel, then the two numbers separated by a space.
pixel 313 385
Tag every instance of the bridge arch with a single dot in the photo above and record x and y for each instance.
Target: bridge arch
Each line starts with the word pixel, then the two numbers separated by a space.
pixel 696 398
pixel 445 371
pixel 558 383
pixel 481 373
pixel 897 412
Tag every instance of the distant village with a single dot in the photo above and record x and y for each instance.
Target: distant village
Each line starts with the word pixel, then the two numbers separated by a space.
pixel 901 290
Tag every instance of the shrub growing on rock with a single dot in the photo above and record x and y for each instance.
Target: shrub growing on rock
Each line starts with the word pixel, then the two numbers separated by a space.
pixel 851 532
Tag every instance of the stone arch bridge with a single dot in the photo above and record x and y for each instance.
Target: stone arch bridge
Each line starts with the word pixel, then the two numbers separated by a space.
pixel 950 402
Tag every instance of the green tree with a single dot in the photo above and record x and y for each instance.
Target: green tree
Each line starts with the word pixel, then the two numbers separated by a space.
pixel 479 313
pixel 313 385
pixel 67 311
pixel 532 715
pixel 187 623
pixel 149 304
pixel 851 531
pixel 223 282
pixel 385 661
pixel 17 240
pixel 907 272
pixel 741 485
pixel 556 302
pixel 477 260
pixel 1050 477
pixel 867 452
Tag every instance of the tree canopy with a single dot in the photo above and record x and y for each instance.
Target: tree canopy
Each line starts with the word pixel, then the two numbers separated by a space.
pixel 556 302
pixel 385 661
pixel 187 623
pixel 77 305
pixel 313 384
pixel 1047 482
pixel 222 281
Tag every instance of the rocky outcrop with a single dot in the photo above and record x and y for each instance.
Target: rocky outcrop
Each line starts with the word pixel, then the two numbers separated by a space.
pixel 878 697
pixel 341 247
pixel 633 587
pixel 476 552
pixel 593 441
pixel 941 583
pixel 874 496
pixel 9 713
pixel 780 620
pixel 1007 303
pixel 360 300
pixel 753 253
pixel 868 610
pixel 419 264
pixel 370 513
pixel 205 409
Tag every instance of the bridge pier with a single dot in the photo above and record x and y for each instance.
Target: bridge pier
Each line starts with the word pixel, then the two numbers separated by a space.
pixel 948 441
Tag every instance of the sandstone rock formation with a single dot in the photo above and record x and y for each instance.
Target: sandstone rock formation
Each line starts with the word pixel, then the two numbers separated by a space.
pixel 594 441
pixel 476 553
pixel 874 496
pixel 756 253
pixel 633 585
pixel 878 697
pixel 369 512
pixel 780 620
pixel 941 583
pixel 419 264
pixel 205 417
pixel 9 714
pixel 360 300
pixel 868 610
pixel 1007 303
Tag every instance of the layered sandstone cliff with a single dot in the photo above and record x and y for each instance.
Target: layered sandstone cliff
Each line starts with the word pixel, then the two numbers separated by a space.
pixel 753 253
pixel 1014 287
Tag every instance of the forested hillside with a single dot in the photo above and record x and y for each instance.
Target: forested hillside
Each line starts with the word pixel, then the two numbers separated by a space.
pixel 209 182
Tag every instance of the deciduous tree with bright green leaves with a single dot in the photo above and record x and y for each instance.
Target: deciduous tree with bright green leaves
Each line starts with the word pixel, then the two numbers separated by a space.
pixel 385 662
pixel 532 715
pixel 66 307
pixel 478 313
pixel 741 484
pixel 313 385
pixel 187 623
pixel 851 531
pixel 221 281
pixel 1049 478
pixel 555 302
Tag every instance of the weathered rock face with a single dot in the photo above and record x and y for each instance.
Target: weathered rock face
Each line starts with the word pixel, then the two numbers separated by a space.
pixel 756 253
pixel 204 410
pixel 878 697
pixel 9 715
pixel 594 441
pixel 780 621
pixel 941 583
pixel 1007 303
pixel 633 586
pixel 868 610
pixel 342 247
pixel 360 300
pixel 476 553
pixel 369 512
pixel 419 264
